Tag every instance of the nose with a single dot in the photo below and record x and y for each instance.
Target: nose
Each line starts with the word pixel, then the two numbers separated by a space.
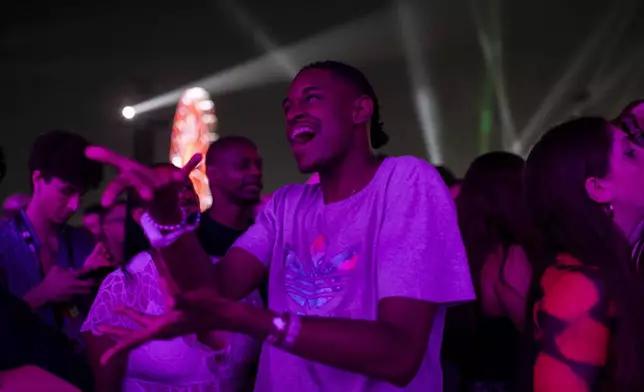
pixel 294 113
pixel 255 169
pixel 74 202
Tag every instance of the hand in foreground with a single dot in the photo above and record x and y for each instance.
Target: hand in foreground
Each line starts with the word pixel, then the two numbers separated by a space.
pixel 160 189
pixel 194 312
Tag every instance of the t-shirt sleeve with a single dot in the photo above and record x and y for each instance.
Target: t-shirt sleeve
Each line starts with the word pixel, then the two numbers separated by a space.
pixel 259 239
pixel 420 253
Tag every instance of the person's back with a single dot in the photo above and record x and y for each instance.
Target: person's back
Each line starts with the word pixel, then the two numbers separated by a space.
pixel 482 339
pixel 499 318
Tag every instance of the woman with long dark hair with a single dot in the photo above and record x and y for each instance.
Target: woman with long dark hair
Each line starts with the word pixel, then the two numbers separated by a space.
pixel 585 188
pixel 483 338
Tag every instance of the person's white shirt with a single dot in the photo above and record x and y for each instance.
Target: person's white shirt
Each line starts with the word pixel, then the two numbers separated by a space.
pixel 181 364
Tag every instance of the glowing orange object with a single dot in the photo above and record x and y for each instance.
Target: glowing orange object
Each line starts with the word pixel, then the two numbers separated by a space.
pixel 192 132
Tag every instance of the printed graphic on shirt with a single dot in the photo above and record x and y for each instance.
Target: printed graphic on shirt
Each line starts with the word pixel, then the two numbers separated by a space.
pixel 315 281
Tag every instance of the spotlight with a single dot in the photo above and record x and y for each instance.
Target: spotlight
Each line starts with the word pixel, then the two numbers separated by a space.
pixel 128 112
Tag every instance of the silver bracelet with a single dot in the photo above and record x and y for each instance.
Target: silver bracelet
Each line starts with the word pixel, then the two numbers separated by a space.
pixel 292 330
pixel 280 324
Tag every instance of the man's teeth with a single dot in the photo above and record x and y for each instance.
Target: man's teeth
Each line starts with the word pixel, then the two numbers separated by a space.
pixel 301 130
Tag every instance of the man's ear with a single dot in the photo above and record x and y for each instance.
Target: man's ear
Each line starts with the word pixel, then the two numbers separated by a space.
pixel 36 177
pixel 363 110
pixel 599 190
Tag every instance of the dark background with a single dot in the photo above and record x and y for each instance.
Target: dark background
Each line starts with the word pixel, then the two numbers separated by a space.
pixel 74 65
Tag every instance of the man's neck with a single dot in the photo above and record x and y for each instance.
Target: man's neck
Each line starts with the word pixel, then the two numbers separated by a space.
pixel 43 227
pixel 349 176
pixel 230 214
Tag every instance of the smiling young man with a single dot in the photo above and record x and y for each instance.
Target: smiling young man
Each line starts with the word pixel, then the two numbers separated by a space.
pixel 361 266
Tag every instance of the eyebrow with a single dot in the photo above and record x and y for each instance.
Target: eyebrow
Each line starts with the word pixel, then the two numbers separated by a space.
pixel 305 90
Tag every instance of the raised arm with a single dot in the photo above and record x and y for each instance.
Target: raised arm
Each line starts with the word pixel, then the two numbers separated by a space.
pixel 187 262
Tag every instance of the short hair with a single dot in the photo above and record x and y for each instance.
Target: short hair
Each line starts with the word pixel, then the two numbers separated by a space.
pixel 61 154
pixel 224 143
pixel 355 77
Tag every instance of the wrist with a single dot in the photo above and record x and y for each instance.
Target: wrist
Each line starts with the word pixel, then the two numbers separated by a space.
pixel 167 215
pixel 34 298
pixel 250 320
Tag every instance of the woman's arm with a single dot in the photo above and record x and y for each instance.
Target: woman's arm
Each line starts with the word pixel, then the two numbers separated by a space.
pixel 512 289
pixel 573 335
pixel 108 377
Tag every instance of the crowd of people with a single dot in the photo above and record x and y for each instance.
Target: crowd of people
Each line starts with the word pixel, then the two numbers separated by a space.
pixel 379 274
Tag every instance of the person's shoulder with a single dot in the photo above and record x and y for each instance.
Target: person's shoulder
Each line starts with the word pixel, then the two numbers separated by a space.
pixel 407 166
pixel 137 263
pixel 409 172
pixel 295 192
pixel 7 226
pixel 569 292
pixel 8 234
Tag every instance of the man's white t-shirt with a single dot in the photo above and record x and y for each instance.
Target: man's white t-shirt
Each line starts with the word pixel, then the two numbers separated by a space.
pixel 397 237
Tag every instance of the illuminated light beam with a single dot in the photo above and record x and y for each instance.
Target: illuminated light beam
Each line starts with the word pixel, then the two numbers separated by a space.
pixel 559 92
pixel 486 115
pixel 424 97
pixel 625 21
pixel 620 79
pixel 260 36
pixel 367 39
pixel 491 43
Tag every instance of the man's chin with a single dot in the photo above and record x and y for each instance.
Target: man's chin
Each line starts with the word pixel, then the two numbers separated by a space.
pixel 307 167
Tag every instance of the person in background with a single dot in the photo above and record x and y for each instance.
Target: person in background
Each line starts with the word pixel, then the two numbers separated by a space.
pixel 215 363
pixel 234 170
pixel 584 182
pixel 92 219
pixel 13 204
pixel 35 355
pixel 453 183
pixel 44 258
pixel 112 231
pixel 483 338
pixel 631 119
pixel 361 266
